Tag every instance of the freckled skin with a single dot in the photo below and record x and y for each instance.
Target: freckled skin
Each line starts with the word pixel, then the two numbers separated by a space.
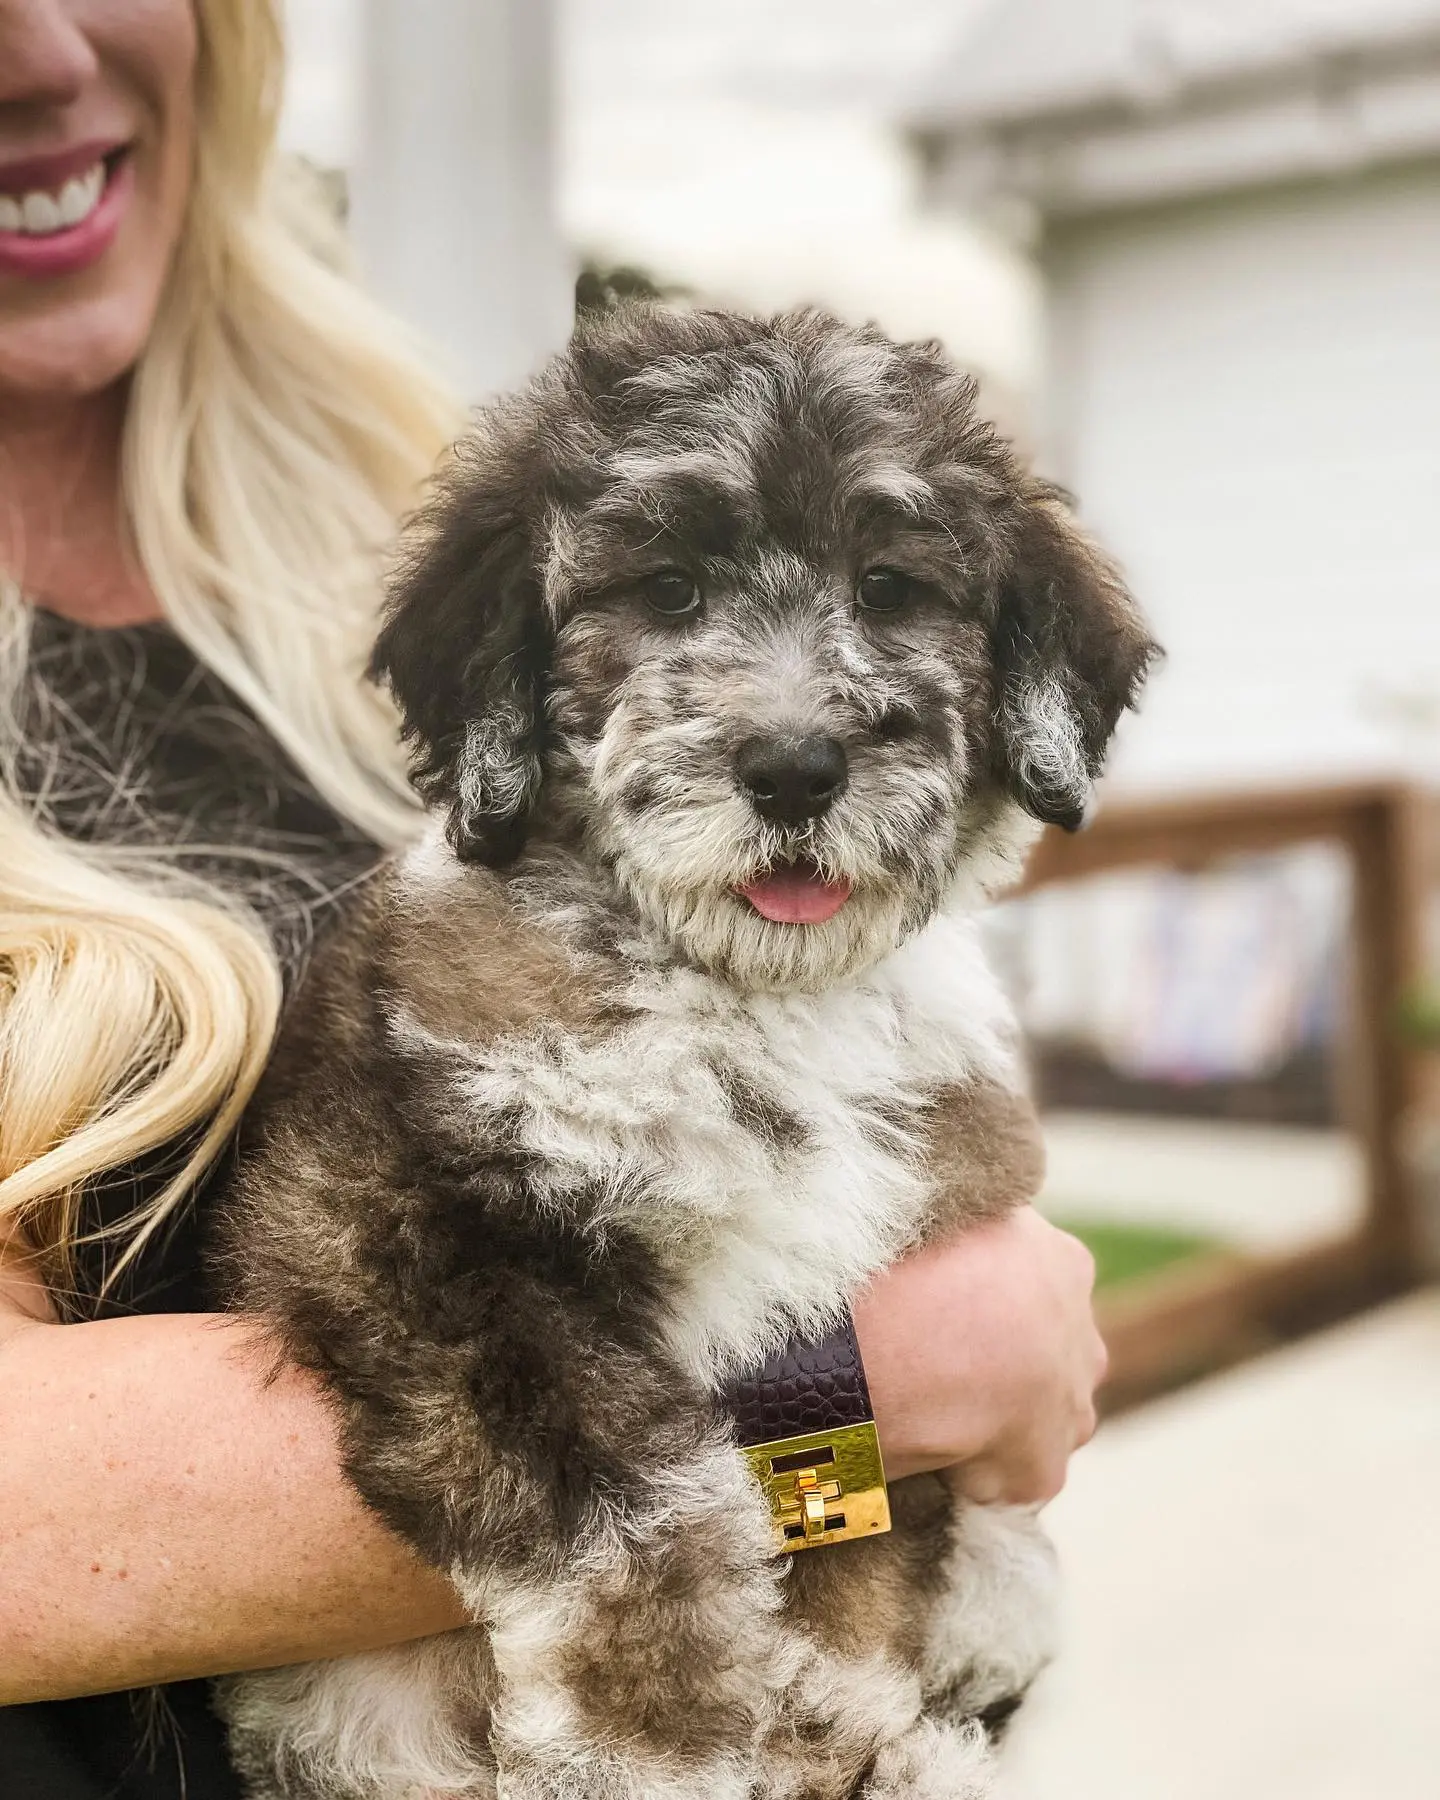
pixel 562 1123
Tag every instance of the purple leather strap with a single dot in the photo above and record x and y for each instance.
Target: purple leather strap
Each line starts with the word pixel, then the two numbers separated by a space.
pixel 806 1387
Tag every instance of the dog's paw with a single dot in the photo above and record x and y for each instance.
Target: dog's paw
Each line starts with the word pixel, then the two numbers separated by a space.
pixel 933 1761
pixel 999 1623
pixel 610 1775
pixel 399 1724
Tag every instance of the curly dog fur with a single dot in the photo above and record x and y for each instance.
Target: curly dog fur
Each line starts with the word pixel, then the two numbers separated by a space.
pixel 566 1131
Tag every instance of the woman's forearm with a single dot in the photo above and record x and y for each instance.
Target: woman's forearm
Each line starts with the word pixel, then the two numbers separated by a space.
pixel 166 1512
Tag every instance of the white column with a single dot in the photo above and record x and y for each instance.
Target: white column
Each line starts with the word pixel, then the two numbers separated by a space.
pixel 453 190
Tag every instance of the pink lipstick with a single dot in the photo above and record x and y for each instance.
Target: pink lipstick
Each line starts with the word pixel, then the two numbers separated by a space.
pixel 59 214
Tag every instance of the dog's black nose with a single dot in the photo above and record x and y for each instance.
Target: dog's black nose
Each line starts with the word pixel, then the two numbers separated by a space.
pixel 792 779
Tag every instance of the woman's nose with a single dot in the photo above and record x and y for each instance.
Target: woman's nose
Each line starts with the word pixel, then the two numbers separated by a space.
pixel 45 59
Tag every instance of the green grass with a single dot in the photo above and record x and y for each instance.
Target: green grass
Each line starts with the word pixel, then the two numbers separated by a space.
pixel 1125 1252
pixel 1420 1016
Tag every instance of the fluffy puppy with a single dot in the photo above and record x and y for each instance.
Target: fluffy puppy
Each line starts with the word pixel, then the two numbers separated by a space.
pixel 739 660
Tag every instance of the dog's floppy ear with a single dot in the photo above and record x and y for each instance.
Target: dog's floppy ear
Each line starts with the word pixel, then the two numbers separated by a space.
pixel 465 649
pixel 1072 653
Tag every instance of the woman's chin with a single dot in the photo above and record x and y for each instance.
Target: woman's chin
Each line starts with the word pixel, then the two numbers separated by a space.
pixel 76 346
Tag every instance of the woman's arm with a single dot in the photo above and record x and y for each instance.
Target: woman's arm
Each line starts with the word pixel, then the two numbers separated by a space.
pixel 165 1512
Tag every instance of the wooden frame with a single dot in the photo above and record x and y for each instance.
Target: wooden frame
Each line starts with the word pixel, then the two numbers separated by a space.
pixel 1217 1309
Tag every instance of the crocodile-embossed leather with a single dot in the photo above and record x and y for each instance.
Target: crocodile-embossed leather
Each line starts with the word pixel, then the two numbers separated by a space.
pixel 803 1388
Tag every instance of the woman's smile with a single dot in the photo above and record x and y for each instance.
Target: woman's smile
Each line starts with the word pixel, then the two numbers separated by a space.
pixel 60 213
pixel 97 159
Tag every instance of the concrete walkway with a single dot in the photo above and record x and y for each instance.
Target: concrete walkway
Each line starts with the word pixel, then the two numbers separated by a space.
pixel 1253 1576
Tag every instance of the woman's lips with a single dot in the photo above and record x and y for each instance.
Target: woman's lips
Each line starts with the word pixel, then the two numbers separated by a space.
pixel 50 252
pixel 797 895
pixel 27 174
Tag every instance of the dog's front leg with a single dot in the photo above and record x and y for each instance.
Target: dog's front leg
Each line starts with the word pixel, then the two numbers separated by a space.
pixel 600 1526
pixel 653 1661
pixel 508 1404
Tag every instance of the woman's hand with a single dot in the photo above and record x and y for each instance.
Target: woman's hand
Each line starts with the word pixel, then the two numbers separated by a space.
pixel 983 1356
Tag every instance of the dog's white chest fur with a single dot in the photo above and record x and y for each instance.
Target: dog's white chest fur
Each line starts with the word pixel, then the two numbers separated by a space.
pixel 758 1143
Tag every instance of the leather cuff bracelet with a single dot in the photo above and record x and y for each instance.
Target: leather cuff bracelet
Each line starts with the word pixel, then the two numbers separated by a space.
pixel 807 1428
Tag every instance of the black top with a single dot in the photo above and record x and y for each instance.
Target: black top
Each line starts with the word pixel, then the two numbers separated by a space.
pixel 128 740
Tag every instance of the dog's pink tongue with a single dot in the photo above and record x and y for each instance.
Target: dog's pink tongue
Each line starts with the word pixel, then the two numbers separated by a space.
pixel 797 896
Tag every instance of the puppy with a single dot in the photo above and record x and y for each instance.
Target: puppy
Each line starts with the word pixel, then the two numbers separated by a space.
pixel 739 660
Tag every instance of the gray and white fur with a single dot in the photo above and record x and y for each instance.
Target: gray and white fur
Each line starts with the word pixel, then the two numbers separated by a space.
pixel 565 1133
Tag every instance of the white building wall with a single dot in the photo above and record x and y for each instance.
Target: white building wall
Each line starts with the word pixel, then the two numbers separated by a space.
pixel 442 116
pixel 453 195
pixel 1245 395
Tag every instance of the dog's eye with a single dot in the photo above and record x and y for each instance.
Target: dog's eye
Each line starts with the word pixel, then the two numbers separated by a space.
pixel 670 592
pixel 886 590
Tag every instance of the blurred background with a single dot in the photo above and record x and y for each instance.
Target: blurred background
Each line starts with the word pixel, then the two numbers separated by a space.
pixel 1192 250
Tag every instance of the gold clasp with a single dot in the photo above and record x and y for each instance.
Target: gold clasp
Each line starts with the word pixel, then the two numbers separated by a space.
pixel 825 1488
pixel 806 1505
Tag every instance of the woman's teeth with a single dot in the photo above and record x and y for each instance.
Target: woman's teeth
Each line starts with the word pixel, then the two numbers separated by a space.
pixel 43 214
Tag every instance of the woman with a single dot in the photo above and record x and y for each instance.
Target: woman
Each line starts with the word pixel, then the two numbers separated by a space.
pixel 206 436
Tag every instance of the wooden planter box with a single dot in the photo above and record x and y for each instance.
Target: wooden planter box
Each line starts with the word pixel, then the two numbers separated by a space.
pixel 1214 1310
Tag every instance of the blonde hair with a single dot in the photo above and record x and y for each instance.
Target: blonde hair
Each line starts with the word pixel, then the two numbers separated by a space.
pixel 278 425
